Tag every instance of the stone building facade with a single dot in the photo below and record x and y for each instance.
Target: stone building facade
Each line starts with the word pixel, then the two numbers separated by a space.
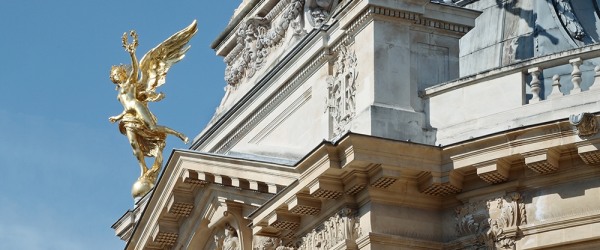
pixel 392 124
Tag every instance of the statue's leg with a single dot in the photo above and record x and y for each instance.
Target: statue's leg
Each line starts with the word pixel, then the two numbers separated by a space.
pixel 137 151
pixel 158 160
pixel 168 130
pixel 149 121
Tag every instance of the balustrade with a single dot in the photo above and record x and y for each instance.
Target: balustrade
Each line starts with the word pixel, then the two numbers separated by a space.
pixel 536 83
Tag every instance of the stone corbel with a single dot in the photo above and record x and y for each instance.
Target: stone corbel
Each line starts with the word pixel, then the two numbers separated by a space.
pixel 284 221
pixel 326 188
pixel 383 176
pixel 542 161
pixel 589 151
pixel 493 171
pixel 440 184
pixel 355 182
pixel 165 233
pixel 304 204
pixel 180 203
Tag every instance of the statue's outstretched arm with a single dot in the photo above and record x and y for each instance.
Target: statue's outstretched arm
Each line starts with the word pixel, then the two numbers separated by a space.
pixel 134 66
pixel 117 117
pixel 131 47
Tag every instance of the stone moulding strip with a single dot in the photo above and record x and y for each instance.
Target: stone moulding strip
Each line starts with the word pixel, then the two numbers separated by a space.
pixel 268 105
pixel 416 18
pixel 396 241
pixel 299 102
pixel 511 144
pixel 584 218
pixel 276 10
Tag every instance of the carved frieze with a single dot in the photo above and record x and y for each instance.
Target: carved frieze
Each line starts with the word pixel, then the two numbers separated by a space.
pixel 341 101
pixel 256 36
pixel 265 243
pixel 343 226
pixel 491 224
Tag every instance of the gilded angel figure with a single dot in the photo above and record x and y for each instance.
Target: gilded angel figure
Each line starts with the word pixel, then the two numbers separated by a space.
pixel 136 86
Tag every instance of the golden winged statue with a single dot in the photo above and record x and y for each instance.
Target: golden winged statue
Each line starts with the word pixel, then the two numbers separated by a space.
pixel 136 85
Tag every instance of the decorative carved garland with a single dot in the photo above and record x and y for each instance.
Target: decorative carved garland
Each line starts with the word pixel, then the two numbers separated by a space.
pixel 341 87
pixel 254 39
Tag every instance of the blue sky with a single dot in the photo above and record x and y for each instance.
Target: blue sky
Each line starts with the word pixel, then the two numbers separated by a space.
pixel 66 171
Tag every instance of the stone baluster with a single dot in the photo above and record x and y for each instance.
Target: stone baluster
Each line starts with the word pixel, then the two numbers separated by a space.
pixel 535 84
pixel 596 84
pixel 576 75
pixel 555 88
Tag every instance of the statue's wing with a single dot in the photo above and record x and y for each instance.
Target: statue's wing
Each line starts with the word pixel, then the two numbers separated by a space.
pixel 155 64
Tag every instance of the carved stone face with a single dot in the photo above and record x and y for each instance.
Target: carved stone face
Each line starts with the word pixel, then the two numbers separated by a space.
pixel 319 16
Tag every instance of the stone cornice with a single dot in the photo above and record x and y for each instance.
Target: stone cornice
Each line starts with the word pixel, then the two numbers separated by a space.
pixel 421 19
pixel 510 143
pixel 187 171
pixel 359 169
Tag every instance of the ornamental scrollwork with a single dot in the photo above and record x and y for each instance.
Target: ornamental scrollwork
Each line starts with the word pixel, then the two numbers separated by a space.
pixel 584 124
pixel 255 37
pixel 341 100
pixel 491 224
pixel 568 19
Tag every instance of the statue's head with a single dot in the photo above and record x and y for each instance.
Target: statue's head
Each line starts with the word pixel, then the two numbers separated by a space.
pixel 229 231
pixel 118 74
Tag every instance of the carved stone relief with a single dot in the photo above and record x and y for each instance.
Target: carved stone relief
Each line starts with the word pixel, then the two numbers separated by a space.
pixel 343 226
pixel 568 19
pixel 256 36
pixel 491 224
pixel 318 12
pixel 341 87
pixel 268 243
pixel 265 243
pixel 584 124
